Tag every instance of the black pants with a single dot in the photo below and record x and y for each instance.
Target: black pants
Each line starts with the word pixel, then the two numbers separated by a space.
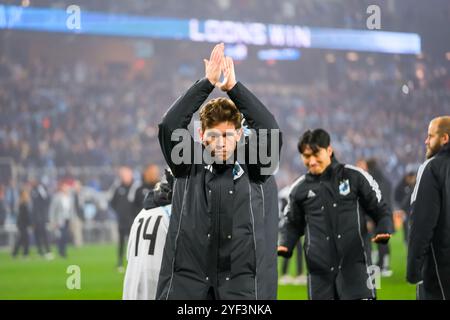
pixel 383 253
pixel 23 240
pixel 285 265
pixel 41 235
pixel 64 238
pixel 123 237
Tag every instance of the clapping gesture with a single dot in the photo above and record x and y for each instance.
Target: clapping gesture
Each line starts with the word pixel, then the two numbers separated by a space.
pixel 219 64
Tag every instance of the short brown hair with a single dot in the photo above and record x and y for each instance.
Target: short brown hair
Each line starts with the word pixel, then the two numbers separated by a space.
pixel 220 110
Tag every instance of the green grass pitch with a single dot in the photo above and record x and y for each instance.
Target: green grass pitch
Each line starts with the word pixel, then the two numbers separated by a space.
pixel 36 278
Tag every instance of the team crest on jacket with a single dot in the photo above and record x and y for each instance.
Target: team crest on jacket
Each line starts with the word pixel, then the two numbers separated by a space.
pixel 344 187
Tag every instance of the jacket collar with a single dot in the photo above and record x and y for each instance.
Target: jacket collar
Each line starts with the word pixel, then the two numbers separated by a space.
pixel 445 149
pixel 238 171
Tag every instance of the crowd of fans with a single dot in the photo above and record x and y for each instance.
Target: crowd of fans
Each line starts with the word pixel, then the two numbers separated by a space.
pixel 82 115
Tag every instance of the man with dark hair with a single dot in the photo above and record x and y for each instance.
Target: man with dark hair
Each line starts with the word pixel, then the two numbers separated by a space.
pixel 324 205
pixel 215 246
pixel 429 239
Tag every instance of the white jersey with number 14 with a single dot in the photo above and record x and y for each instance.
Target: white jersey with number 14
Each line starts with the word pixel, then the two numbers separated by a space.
pixel 145 251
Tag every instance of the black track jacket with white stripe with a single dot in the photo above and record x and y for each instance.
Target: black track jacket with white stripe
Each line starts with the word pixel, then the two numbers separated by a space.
pixel 217 237
pixel 429 240
pixel 326 209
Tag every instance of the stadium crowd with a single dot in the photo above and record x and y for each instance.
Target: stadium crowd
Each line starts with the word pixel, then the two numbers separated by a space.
pixel 52 116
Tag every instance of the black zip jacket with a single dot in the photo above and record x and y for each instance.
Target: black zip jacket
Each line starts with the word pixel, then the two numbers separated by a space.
pixel 216 237
pixel 327 210
pixel 429 240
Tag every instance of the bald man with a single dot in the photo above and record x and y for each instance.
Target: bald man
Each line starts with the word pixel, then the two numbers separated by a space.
pixel 122 202
pixel 429 241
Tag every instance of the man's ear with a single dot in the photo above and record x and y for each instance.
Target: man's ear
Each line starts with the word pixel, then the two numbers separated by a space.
pixel 445 138
pixel 330 151
pixel 200 134
pixel 240 131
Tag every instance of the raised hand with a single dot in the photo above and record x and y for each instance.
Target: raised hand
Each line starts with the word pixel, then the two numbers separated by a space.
pixel 229 76
pixel 213 66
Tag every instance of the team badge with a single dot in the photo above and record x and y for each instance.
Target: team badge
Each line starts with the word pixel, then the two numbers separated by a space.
pixel 344 187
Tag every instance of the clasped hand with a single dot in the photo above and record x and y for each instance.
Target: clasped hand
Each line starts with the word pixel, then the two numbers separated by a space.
pixel 218 65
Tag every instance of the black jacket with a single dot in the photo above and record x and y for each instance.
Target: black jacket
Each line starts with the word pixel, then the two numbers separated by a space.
pixel 122 203
pixel 429 240
pixel 23 218
pixel 216 237
pixel 326 209
pixel 403 193
pixel 40 202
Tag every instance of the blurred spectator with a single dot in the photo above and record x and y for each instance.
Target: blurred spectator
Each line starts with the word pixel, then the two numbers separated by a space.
pixel 23 224
pixel 150 178
pixel 12 199
pixel 382 255
pixel 403 192
pixel 61 213
pixel 3 208
pixel 76 223
pixel 40 201
pixel 122 203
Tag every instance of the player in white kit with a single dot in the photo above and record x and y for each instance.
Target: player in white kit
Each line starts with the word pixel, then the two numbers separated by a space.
pixel 146 244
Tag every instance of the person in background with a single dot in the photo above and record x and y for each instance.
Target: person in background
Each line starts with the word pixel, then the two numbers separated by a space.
pixel 144 253
pixel 3 207
pixel 150 178
pixel 402 198
pixel 77 220
pixel 324 206
pixel 23 224
pixel 61 212
pixel 300 278
pixel 122 202
pixel 12 198
pixel 382 255
pixel 40 201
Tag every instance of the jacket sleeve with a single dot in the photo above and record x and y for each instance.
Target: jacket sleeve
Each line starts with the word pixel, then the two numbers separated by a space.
pixel 373 203
pixel 258 118
pixel 426 203
pixel 292 225
pixel 178 117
